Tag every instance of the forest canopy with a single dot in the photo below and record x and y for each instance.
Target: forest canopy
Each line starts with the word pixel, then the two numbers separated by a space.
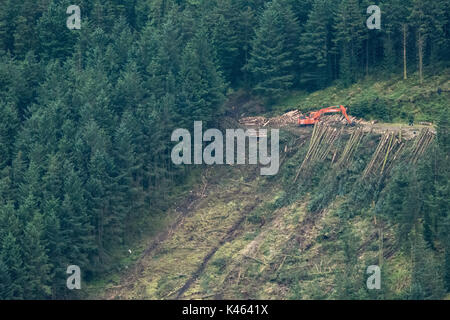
pixel 86 115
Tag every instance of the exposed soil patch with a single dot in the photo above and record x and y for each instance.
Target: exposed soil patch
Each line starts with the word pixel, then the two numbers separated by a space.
pixel 288 121
pixel 229 236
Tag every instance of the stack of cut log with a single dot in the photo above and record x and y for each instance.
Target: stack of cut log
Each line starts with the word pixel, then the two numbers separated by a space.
pixel 291 118
pixel 388 150
pixel 288 118
pixel 338 119
pixel 320 146
pixel 421 144
pixel 253 121
pixel 351 147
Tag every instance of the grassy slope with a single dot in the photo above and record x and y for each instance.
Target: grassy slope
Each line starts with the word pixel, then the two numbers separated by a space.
pixel 240 238
pixel 404 97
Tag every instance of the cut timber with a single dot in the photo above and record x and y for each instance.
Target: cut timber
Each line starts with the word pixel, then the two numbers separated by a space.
pixel 258 133
pixel 253 121
pixel 387 151
pixel 351 146
pixel 289 118
pixel 421 144
pixel 321 145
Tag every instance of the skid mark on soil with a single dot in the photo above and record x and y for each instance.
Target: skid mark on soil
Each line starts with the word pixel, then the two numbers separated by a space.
pixel 175 259
pixel 229 236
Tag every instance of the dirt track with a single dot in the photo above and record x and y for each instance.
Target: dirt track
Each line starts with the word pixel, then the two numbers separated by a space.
pixel 407 132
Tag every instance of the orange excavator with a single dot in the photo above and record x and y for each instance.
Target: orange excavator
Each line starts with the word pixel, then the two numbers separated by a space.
pixel 314 116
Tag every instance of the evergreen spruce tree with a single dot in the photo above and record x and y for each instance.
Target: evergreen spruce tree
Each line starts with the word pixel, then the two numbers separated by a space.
pixel 9 127
pixel 350 30
pixel 162 55
pixel 426 282
pixel 396 22
pixel 25 34
pixel 443 132
pixel 129 195
pixel 7 24
pixel 53 241
pixel 36 262
pixel 202 86
pixel 56 40
pixel 77 231
pixel 228 38
pixel 348 279
pixel 427 19
pixel 9 221
pixel 5 280
pixel 100 189
pixel 273 55
pixel 53 179
pixel 446 245
pixel 301 9
pixel 316 47
pixel 12 259
pixel 129 91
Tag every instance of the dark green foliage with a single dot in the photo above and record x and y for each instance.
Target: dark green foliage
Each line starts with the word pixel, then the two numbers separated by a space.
pixel 8 130
pixel 372 109
pixel 396 30
pixel 426 280
pixel 86 118
pixel 202 87
pixel 444 131
pixel 12 261
pixel 350 28
pixel 37 267
pixel 55 38
pixel 350 279
pixel 232 24
pixel 85 131
pixel 316 45
pixel 446 244
pixel 274 53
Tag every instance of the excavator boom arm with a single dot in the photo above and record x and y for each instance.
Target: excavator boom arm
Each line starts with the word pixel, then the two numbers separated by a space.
pixel 315 115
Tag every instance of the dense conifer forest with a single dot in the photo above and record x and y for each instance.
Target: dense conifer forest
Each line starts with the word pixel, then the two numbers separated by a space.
pixel 86 117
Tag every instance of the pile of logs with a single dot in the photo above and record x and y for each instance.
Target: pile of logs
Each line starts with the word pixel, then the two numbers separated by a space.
pixel 288 118
pixel 421 144
pixel 351 147
pixel 291 118
pixel 320 146
pixel 389 148
pixel 338 119
pixel 253 121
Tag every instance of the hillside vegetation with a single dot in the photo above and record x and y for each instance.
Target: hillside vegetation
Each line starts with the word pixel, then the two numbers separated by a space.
pixel 86 173
pixel 389 99
pixel 243 236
